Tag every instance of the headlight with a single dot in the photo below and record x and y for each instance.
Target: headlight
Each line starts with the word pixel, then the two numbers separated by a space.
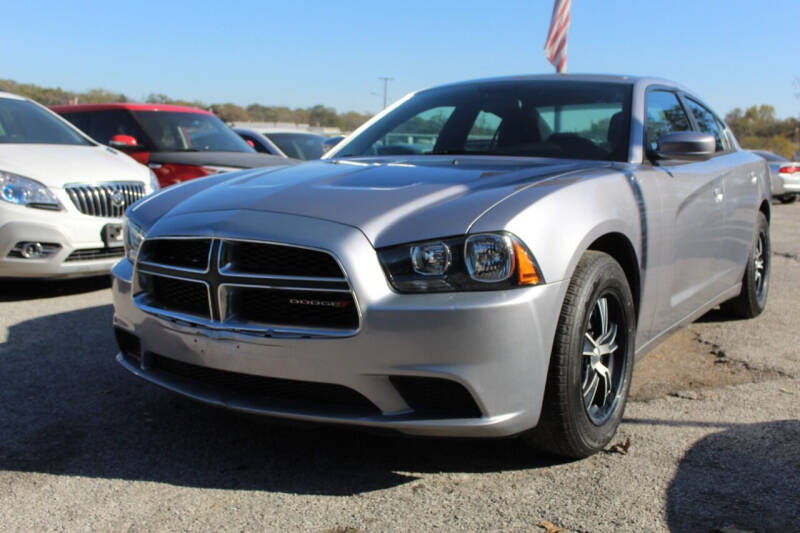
pixel 154 186
pixel 132 236
pixel 25 191
pixel 486 261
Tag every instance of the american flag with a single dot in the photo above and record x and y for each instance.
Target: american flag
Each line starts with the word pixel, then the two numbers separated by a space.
pixel 555 49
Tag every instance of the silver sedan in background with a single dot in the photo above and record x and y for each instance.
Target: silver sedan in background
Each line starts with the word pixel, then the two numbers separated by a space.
pixel 784 176
pixel 481 259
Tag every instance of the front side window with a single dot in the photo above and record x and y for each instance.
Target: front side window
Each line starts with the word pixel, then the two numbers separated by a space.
pixel 23 122
pixel 707 123
pixel 103 125
pixel 561 119
pixel 189 132
pixel 664 115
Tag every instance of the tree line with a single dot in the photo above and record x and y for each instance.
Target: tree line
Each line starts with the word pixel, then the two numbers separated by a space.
pixel 755 127
pixel 318 115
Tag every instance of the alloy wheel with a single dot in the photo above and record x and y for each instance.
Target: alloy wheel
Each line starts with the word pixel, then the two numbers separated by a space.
pixel 604 359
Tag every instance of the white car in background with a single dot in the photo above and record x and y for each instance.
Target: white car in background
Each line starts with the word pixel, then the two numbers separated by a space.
pixel 784 176
pixel 62 195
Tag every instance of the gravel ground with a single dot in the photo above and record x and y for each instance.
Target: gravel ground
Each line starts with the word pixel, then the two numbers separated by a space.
pixel 713 436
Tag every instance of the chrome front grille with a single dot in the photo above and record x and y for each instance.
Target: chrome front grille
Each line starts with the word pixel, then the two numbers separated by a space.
pixel 270 288
pixel 105 199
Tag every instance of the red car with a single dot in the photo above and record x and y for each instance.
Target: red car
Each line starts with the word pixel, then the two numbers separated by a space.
pixel 179 143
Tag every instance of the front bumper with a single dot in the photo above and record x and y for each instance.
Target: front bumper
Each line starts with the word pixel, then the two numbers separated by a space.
pixel 71 231
pixel 496 345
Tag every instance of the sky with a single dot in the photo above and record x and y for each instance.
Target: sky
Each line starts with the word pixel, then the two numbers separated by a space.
pixel 732 53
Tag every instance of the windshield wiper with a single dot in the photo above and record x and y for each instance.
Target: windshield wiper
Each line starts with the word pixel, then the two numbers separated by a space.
pixel 459 151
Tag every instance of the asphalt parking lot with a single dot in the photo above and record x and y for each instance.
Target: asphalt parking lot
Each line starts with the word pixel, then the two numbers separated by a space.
pixel 714 430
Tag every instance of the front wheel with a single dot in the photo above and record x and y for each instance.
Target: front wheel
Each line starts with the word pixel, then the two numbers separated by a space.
pixel 788 199
pixel 591 362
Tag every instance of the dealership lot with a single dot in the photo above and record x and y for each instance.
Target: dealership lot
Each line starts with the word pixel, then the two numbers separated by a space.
pixel 713 432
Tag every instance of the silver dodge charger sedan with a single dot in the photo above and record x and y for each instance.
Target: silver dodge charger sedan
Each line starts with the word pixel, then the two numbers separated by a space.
pixel 482 259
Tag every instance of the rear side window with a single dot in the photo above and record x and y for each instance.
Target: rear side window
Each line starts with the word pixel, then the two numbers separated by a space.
pixel 664 115
pixel 707 123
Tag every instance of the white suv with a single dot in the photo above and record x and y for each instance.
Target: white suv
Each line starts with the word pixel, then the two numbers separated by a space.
pixel 62 195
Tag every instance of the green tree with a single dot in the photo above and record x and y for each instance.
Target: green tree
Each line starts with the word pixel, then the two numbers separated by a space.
pixel 229 112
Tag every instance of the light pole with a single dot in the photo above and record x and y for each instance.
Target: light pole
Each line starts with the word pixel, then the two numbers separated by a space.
pixel 386 81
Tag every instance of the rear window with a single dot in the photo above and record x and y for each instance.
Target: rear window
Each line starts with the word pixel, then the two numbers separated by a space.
pixel 23 122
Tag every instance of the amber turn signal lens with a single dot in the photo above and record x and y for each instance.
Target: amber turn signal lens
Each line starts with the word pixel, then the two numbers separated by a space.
pixel 526 270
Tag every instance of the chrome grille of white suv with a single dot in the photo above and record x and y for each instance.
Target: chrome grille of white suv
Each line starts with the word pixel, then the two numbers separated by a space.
pixel 105 199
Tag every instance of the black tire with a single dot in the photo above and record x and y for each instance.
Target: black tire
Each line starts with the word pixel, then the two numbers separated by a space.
pixel 568 426
pixel 752 299
pixel 788 199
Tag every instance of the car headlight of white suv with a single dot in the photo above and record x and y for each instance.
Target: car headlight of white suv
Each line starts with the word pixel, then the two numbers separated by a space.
pixel 20 190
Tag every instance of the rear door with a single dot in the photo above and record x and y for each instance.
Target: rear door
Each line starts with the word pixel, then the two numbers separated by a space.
pixel 692 214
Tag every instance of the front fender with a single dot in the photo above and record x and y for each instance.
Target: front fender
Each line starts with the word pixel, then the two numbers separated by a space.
pixel 560 219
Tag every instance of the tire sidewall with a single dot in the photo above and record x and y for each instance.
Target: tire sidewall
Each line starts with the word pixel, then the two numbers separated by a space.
pixel 607 277
pixel 758 305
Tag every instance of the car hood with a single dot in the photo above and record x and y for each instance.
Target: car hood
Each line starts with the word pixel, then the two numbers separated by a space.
pixel 221 159
pixel 55 165
pixel 390 202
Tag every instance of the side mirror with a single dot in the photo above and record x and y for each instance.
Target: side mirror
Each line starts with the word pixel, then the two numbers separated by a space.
pixel 686 145
pixel 125 143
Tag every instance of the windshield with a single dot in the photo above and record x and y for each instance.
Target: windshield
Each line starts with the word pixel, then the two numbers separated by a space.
pixel 23 122
pixel 189 132
pixel 563 119
pixel 298 145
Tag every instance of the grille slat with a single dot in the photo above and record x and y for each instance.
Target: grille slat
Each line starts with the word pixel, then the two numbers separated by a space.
pixel 177 295
pixel 278 260
pixel 98 200
pixel 95 253
pixel 251 286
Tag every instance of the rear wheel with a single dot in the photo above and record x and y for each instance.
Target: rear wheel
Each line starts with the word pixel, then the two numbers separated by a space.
pixel 591 363
pixel 755 284
pixel 788 199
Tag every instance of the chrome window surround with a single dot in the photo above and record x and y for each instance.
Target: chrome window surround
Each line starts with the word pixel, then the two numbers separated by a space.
pixel 229 323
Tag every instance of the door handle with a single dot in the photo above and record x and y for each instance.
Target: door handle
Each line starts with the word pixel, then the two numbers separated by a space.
pixel 753 178
pixel 718 195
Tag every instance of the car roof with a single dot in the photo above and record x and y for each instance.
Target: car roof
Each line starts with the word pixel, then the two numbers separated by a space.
pixel 82 108
pixel 588 78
